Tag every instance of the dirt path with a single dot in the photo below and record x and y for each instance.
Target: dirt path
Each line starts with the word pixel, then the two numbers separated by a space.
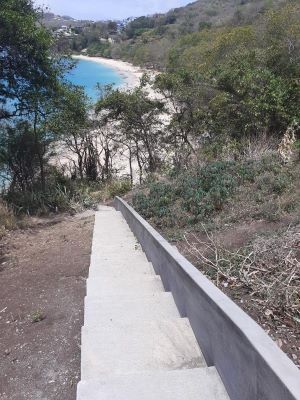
pixel 42 287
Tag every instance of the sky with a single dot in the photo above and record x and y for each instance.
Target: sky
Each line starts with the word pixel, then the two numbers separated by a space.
pixel 109 9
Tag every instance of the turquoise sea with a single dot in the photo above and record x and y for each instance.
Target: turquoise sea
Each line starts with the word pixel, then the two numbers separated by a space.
pixel 88 73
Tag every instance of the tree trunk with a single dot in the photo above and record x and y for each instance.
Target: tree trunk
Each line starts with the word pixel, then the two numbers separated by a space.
pixel 39 154
pixel 139 163
pixel 130 166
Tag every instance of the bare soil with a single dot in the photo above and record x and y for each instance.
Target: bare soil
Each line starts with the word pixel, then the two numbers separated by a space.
pixel 43 271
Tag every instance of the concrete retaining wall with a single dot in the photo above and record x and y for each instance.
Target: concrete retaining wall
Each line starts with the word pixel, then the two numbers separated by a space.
pixel 250 364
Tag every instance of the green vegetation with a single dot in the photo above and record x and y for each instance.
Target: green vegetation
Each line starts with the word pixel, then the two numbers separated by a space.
pixel 41 113
pixel 215 147
pixel 60 194
pixel 147 40
pixel 25 59
pixel 7 219
pixel 37 316
pixel 238 82
pixel 97 49
pixel 260 189
pixel 96 39
pixel 111 189
pixel 139 125
pixel 229 95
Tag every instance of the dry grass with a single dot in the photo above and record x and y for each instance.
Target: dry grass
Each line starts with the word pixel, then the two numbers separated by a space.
pixel 111 189
pixel 7 219
pixel 268 269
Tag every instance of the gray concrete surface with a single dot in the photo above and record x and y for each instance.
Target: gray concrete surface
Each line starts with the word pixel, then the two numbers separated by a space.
pixel 133 335
pixel 147 307
pixel 192 384
pixel 120 269
pixel 251 365
pixel 107 286
pixel 138 346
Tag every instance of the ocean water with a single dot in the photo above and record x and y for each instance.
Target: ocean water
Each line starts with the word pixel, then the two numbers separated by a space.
pixel 88 73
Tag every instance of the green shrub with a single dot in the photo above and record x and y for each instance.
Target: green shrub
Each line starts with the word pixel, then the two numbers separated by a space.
pixel 7 219
pixel 211 12
pixel 273 183
pixel 61 194
pixel 118 187
pixel 141 203
pixel 200 193
pixel 208 188
pixel 157 203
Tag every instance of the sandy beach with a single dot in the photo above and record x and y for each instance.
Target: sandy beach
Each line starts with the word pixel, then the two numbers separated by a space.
pixel 130 73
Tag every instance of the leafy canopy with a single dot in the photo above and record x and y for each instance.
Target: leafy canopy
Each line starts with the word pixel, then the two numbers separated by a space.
pixel 25 57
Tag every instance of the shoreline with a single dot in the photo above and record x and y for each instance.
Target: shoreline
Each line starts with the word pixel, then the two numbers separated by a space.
pixel 130 74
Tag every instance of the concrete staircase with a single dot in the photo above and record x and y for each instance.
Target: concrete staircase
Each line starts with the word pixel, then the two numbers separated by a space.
pixel 135 345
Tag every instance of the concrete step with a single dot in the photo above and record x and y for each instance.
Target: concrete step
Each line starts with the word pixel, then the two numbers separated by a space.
pixel 108 219
pixel 101 207
pixel 112 235
pixel 117 255
pixel 104 236
pixel 192 384
pixel 120 269
pixel 128 309
pixel 117 240
pixel 137 284
pixel 123 237
pixel 116 348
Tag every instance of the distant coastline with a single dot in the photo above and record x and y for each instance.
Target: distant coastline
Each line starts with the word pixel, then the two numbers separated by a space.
pixel 130 74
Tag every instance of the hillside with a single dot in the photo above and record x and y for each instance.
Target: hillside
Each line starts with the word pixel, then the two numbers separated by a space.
pixel 53 21
pixel 146 40
pixel 212 161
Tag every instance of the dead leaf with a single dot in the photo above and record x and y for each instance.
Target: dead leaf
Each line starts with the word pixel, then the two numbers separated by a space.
pixel 268 312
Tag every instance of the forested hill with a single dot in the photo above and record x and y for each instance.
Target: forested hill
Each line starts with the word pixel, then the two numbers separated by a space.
pixel 53 21
pixel 146 40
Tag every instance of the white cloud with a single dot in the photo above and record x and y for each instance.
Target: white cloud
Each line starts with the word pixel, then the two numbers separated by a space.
pixel 105 9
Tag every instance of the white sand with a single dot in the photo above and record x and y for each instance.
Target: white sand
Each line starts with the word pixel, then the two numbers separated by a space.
pixel 131 76
pixel 128 72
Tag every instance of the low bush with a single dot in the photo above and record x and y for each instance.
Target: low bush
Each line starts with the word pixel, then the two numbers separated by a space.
pixel 269 183
pixel 118 187
pixel 208 188
pixel 109 190
pixel 198 194
pixel 7 219
pixel 158 202
pixel 61 194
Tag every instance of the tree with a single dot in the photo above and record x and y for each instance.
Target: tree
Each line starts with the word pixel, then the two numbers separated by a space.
pixel 19 156
pixel 139 122
pixel 32 91
pixel 25 57
pixel 237 82
pixel 72 126
pixel 47 119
